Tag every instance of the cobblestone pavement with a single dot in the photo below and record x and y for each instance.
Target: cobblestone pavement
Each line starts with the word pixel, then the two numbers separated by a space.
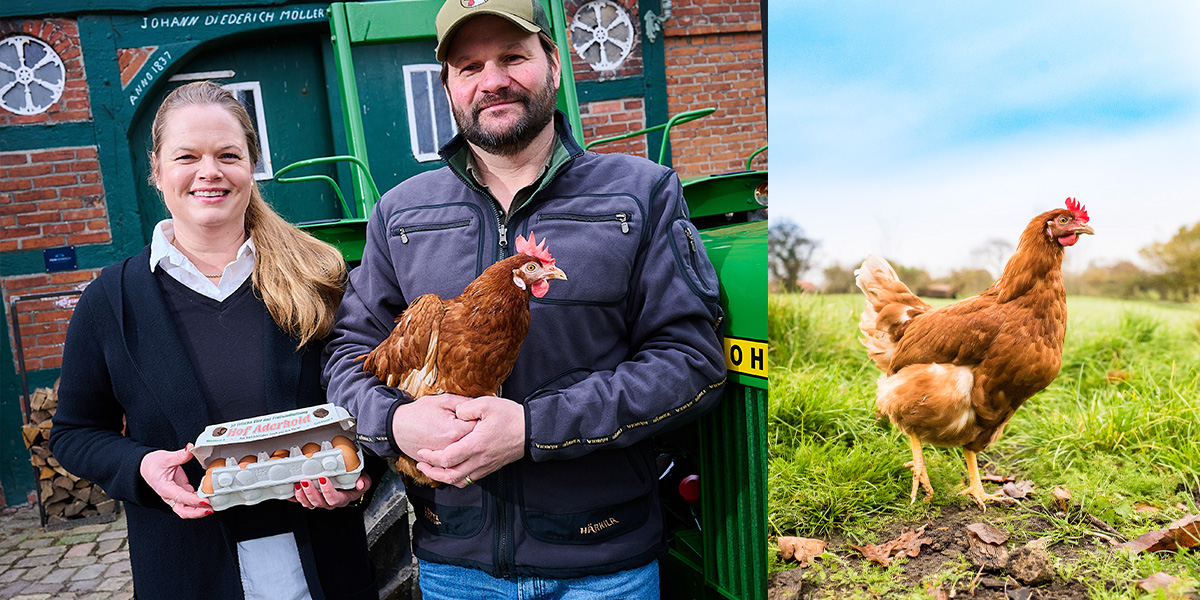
pixel 85 562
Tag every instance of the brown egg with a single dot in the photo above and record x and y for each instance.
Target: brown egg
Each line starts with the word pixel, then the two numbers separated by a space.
pixel 206 483
pixel 280 453
pixel 349 454
pixel 310 448
pixel 248 459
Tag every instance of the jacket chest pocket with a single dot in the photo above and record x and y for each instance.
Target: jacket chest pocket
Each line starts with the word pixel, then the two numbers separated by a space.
pixel 402 231
pixel 595 243
pixel 436 250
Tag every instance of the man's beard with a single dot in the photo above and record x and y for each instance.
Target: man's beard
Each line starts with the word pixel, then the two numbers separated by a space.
pixel 539 111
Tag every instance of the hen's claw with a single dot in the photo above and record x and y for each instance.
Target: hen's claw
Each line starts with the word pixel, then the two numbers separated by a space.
pixel 981 496
pixel 920 479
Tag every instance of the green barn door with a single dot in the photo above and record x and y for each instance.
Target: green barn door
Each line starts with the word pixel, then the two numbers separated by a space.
pixel 284 77
pixel 392 77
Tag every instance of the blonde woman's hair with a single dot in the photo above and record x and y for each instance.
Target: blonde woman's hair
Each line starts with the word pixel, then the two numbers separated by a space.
pixel 300 278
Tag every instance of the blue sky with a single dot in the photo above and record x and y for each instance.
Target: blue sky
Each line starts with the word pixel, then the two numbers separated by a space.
pixel 918 131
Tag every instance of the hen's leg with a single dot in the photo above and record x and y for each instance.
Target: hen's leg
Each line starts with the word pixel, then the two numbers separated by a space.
pixel 920 475
pixel 975 487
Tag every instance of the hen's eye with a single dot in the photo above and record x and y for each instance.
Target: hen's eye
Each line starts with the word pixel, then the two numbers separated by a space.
pixel 1062 220
pixel 530 267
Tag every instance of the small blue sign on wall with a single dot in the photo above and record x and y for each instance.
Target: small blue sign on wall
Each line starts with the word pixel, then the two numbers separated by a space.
pixel 59 259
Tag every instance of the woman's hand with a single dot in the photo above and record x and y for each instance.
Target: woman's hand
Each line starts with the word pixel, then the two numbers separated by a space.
pixel 320 493
pixel 163 471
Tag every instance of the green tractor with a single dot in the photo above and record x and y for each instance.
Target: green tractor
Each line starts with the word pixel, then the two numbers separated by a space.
pixel 713 472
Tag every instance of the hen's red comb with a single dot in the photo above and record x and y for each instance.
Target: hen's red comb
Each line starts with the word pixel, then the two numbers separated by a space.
pixel 1077 209
pixel 530 247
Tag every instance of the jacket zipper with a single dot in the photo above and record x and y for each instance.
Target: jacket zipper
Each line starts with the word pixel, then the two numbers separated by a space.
pixel 506 562
pixel 622 218
pixel 506 549
pixel 404 231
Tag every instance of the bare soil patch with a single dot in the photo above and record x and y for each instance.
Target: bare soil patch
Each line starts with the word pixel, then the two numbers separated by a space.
pixel 948 530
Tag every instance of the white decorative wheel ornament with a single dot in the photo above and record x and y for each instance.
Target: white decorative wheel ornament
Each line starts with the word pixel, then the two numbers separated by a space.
pixel 602 34
pixel 32 75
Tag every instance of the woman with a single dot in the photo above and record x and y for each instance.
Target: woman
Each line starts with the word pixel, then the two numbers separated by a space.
pixel 220 318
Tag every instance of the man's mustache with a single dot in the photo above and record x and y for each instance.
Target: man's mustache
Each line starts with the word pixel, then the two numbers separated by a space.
pixel 499 98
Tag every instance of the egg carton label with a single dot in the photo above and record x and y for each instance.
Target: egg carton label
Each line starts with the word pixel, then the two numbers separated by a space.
pixel 262 458
pixel 273 425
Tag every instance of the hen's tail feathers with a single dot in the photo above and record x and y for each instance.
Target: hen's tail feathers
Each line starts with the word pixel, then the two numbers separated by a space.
pixel 889 304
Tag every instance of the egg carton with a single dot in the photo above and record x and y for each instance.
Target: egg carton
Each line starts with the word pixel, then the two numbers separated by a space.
pixel 251 472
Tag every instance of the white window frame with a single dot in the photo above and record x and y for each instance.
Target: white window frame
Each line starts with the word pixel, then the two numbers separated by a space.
pixel 433 72
pixel 260 126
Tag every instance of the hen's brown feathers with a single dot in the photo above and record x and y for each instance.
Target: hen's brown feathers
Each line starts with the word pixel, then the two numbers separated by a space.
pixel 466 345
pixel 955 375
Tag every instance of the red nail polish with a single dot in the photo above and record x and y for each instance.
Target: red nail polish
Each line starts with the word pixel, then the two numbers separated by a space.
pixel 304 482
pixel 206 504
pixel 208 512
pixel 323 481
pixel 297 486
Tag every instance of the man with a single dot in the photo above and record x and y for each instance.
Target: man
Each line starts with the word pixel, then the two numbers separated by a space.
pixel 554 486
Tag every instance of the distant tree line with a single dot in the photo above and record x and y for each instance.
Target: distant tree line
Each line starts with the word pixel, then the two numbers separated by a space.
pixel 1174 272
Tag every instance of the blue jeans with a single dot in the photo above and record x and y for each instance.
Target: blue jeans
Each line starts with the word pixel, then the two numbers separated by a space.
pixel 448 582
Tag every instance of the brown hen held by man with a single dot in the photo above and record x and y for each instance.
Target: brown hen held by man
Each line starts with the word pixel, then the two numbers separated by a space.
pixel 466 345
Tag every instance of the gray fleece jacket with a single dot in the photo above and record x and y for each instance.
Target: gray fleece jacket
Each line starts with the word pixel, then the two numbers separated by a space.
pixel 627 348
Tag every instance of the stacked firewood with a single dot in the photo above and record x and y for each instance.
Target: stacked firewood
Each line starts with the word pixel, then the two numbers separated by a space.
pixel 63 495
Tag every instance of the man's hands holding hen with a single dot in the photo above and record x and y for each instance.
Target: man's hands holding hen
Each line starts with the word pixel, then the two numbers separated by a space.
pixel 459 440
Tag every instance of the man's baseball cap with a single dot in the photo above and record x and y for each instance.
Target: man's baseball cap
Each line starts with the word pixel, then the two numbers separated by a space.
pixel 526 14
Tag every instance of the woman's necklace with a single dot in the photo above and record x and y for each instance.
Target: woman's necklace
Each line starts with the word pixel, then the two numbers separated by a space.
pixel 217 276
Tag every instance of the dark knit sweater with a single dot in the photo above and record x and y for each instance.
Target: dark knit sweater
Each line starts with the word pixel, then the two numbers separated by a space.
pixel 221 337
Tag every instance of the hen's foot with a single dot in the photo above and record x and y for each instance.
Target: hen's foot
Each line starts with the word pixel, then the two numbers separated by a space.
pixel 920 474
pixel 975 485
pixel 920 480
pixel 981 496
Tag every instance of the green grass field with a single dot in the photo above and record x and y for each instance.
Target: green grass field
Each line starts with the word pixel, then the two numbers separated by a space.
pixel 1119 428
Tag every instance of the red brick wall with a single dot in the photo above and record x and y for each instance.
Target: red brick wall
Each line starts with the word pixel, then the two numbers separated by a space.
pixel 43 322
pixel 608 118
pixel 714 59
pixel 51 197
pixel 63 36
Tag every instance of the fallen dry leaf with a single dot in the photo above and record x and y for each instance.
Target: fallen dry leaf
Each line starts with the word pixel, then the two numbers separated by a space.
pixel 881 554
pixel 1017 490
pixel 1145 508
pixel 1183 533
pixel 909 543
pixel 1062 497
pixel 987 533
pixel 802 550
pixel 989 474
pixel 1157 581
pixel 1181 506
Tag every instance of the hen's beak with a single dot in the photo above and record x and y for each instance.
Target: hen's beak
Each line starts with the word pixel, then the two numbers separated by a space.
pixel 1083 228
pixel 555 273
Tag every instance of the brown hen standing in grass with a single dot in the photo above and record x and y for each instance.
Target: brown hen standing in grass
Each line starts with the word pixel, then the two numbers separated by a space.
pixel 465 345
pixel 954 376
